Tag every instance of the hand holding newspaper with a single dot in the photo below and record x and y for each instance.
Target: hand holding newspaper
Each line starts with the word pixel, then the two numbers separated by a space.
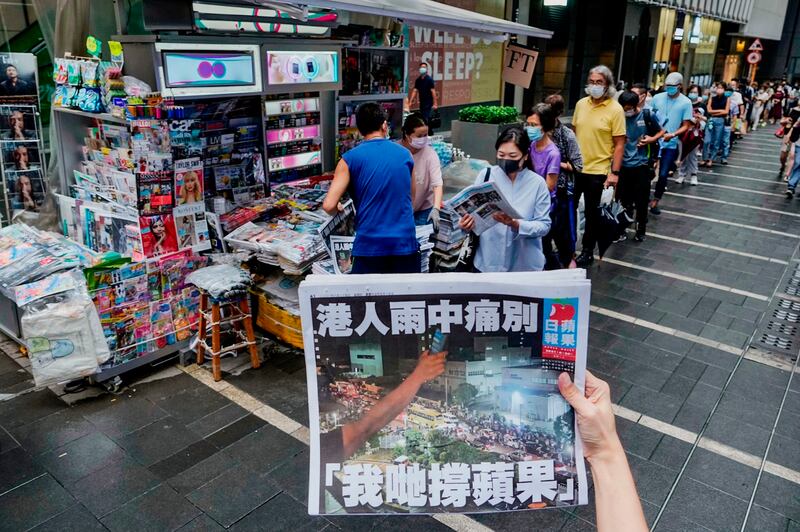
pixel 482 201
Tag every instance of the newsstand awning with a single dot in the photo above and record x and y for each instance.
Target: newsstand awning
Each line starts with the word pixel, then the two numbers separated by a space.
pixel 432 14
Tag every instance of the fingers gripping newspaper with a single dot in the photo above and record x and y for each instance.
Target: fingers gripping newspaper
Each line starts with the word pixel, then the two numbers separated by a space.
pixel 482 201
pixel 438 393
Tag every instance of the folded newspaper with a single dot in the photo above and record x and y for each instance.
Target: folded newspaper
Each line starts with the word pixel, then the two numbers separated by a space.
pixel 441 395
pixel 343 223
pixel 482 201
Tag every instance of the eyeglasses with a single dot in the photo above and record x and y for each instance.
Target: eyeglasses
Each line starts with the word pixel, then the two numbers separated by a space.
pixel 598 82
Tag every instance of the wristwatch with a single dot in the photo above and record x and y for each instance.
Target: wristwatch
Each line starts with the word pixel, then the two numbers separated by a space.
pixel 614 172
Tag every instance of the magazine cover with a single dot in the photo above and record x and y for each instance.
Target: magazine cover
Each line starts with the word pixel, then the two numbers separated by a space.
pixel 158 235
pixel 188 181
pixel 191 226
pixel 441 395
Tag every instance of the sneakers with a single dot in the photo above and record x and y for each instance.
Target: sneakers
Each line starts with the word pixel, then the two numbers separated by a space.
pixel 585 259
pixel 789 193
pixel 639 237
pixel 724 161
pixel 693 181
pixel 679 180
pixel 655 210
pixel 622 238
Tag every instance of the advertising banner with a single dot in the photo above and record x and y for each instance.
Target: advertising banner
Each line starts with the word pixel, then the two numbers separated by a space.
pixel 441 395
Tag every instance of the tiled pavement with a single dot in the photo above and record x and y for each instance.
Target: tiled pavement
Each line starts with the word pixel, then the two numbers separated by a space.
pixel 711 436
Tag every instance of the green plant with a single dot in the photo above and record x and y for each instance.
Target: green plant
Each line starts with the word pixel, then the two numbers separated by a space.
pixel 489 114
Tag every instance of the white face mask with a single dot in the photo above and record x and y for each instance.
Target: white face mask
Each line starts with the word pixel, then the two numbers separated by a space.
pixel 631 113
pixel 595 91
pixel 419 142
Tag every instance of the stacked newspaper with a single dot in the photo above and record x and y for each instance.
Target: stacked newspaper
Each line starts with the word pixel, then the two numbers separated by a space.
pixel 424 233
pixel 296 256
pixel 512 333
pixel 323 267
pixel 447 241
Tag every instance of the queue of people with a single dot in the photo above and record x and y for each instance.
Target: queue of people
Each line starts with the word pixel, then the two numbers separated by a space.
pixel 626 139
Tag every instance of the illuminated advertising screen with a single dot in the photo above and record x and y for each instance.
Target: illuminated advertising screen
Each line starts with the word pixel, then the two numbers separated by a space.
pixel 302 67
pixel 208 69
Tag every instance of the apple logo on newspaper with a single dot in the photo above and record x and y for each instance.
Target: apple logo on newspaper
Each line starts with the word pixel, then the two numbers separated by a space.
pixel 561 312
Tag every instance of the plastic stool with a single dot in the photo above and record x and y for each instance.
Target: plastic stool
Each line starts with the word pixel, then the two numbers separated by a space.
pixel 236 307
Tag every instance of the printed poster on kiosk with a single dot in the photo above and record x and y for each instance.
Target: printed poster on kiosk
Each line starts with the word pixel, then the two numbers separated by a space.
pixel 441 395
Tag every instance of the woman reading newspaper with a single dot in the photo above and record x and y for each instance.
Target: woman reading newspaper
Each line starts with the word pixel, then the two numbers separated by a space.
pixel 513 244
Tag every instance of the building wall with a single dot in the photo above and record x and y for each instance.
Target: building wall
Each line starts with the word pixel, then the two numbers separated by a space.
pixel 782 58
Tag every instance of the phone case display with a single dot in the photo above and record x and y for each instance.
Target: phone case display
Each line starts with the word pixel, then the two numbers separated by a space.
pixel 144 307
pixel 294 138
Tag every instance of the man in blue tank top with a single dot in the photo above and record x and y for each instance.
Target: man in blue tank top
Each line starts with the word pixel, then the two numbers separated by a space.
pixel 377 174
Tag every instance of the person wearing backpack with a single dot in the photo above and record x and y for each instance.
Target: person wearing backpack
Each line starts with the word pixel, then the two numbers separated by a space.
pixel 642 130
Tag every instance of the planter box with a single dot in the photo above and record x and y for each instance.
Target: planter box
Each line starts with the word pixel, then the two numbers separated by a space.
pixel 476 139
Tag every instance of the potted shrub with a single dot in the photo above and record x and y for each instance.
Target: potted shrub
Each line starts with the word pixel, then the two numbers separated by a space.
pixel 477 128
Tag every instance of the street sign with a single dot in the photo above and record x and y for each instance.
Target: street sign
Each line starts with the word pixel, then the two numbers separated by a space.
pixel 753 58
pixel 756 46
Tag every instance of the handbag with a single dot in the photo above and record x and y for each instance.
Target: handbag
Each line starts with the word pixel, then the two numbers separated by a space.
pixel 466 255
pixel 435 120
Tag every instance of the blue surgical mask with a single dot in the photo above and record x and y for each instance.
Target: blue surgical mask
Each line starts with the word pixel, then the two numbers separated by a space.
pixel 534 133
pixel 595 91
pixel 693 96
pixel 728 93
pixel 423 71
pixel 671 90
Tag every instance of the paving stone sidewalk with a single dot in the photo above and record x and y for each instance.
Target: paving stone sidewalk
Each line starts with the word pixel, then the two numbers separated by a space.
pixel 672 318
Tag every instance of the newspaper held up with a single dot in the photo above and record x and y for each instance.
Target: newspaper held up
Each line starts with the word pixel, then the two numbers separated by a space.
pixel 482 201
pixel 440 395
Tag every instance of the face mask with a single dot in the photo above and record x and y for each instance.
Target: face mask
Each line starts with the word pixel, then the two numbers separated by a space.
pixel 705 98
pixel 419 142
pixel 534 133
pixel 693 96
pixel 423 71
pixel 648 99
pixel 509 166
pixel 631 113
pixel 671 90
pixel 595 91
pixel 728 93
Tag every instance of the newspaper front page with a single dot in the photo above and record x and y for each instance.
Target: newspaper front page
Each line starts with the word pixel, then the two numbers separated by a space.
pixel 438 393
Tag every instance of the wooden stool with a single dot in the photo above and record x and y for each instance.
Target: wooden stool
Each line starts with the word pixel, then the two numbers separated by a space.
pixel 236 308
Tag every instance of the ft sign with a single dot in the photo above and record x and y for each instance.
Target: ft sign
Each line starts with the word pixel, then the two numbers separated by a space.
pixel 518 65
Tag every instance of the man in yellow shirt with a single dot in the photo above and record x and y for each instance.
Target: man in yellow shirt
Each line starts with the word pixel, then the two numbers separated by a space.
pixel 599 123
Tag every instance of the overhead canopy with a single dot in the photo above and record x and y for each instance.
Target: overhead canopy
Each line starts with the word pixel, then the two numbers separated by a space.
pixel 432 14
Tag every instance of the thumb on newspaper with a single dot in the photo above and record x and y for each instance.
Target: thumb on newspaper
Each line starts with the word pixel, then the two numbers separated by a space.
pixel 572 393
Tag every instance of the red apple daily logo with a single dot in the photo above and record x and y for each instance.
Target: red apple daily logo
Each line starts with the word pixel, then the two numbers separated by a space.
pixel 559 331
